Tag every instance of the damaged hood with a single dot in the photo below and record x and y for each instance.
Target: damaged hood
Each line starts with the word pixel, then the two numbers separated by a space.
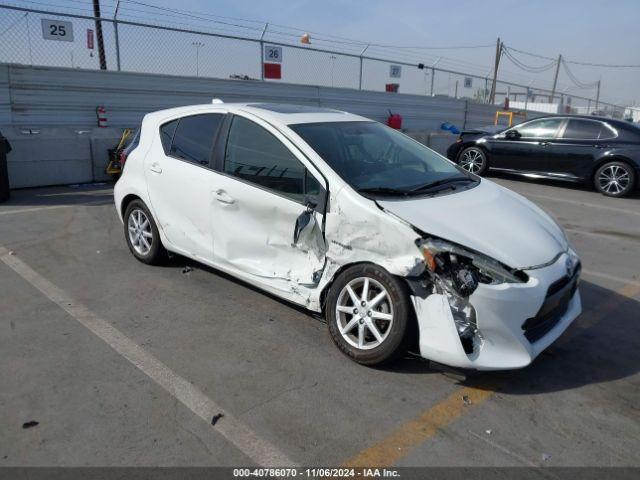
pixel 489 219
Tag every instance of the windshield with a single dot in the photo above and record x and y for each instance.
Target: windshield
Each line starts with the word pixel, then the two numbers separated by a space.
pixel 374 158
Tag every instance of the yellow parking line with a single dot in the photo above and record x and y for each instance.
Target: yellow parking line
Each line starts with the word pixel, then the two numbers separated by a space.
pixel 396 446
pixel 411 434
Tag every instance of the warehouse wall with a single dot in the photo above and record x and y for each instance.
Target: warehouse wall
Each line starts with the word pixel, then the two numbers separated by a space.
pixel 48 113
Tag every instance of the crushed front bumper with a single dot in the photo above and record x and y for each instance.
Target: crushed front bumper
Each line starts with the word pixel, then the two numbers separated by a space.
pixel 515 321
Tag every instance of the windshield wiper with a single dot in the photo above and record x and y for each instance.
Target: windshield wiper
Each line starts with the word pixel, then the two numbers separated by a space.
pixel 383 191
pixel 442 181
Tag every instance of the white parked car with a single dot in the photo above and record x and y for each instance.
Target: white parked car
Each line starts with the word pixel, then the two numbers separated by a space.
pixel 396 245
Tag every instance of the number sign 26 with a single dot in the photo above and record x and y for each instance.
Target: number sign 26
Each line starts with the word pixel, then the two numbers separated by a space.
pixel 272 54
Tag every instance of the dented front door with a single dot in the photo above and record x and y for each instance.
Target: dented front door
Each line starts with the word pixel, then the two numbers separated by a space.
pixel 257 198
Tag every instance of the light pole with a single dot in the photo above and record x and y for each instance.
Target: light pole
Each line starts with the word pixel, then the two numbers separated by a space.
pixel 333 60
pixel 197 45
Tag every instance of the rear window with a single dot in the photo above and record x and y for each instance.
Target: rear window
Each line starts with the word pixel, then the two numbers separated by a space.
pixel 585 130
pixel 166 135
pixel 191 137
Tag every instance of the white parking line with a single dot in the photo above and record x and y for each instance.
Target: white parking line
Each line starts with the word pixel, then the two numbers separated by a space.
pixel 256 448
pixel 582 204
pixel 51 207
pixel 627 281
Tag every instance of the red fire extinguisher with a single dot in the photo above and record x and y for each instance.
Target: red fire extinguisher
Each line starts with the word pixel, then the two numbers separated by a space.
pixel 394 120
pixel 101 113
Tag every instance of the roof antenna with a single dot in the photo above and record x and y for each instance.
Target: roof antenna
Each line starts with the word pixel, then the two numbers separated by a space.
pixel 216 101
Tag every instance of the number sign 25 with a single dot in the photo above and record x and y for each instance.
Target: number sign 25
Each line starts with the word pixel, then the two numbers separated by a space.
pixel 57 30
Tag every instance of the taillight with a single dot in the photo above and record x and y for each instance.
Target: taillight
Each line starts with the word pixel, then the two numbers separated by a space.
pixel 123 158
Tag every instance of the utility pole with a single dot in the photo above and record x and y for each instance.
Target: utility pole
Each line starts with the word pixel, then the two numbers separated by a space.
pixel 555 78
pixel 492 96
pixel 96 13
pixel 598 95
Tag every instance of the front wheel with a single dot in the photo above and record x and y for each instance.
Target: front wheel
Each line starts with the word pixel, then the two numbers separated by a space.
pixel 473 160
pixel 368 314
pixel 615 179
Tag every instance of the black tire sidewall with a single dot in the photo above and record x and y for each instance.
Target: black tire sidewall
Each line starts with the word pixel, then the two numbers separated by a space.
pixel 156 253
pixel 628 168
pixel 485 164
pixel 395 344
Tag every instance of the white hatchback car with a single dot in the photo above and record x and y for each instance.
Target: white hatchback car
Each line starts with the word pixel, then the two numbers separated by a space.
pixel 396 245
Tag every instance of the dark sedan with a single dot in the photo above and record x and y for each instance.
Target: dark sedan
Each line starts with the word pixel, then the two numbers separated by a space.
pixel 593 150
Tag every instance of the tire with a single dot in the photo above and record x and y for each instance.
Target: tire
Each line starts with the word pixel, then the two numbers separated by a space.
pixel 474 160
pixel 615 179
pixel 148 236
pixel 392 331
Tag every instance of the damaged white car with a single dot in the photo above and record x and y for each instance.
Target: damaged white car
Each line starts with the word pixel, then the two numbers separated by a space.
pixel 397 246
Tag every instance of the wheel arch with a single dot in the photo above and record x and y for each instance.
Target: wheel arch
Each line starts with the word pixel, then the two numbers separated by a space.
pixel 127 200
pixel 471 143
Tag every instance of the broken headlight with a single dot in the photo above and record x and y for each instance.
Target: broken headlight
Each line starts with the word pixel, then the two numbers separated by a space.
pixel 456 273
pixel 463 266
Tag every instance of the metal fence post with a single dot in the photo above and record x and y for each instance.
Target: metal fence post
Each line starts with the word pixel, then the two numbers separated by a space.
pixel 264 30
pixel 115 34
pixel 433 75
pixel 361 62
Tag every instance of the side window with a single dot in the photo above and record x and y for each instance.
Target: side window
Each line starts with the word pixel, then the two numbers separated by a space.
pixel 583 130
pixel 194 136
pixel 255 155
pixel 166 135
pixel 545 128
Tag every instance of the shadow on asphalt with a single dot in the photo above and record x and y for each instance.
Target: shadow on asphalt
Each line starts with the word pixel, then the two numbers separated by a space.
pixel 582 187
pixel 600 346
pixel 86 194
pixel 596 348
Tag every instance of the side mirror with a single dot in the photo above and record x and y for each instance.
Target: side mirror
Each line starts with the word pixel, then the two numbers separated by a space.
pixel 513 135
pixel 304 223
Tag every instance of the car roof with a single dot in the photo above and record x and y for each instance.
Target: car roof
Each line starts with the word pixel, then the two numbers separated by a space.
pixel 614 122
pixel 281 113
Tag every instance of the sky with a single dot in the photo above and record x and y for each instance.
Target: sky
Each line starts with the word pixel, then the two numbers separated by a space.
pixel 587 31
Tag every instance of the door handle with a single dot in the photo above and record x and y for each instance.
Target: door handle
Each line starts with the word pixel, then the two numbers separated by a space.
pixel 155 167
pixel 223 197
pixel 544 144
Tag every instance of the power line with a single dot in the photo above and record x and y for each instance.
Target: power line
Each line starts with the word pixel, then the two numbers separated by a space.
pixel 528 68
pixel 574 62
pixel 573 78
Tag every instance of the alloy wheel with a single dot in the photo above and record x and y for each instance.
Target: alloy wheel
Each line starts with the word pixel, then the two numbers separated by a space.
pixel 614 179
pixel 472 161
pixel 140 233
pixel 364 313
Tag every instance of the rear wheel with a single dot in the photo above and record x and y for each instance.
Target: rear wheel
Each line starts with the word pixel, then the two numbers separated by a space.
pixel 615 179
pixel 368 313
pixel 473 160
pixel 142 235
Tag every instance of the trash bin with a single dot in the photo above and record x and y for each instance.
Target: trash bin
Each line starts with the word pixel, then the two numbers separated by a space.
pixel 5 148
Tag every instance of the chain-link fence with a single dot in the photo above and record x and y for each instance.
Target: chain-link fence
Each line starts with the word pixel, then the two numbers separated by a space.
pixel 39 37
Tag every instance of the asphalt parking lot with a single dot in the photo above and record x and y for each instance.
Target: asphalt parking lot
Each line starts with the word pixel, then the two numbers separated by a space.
pixel 125 364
